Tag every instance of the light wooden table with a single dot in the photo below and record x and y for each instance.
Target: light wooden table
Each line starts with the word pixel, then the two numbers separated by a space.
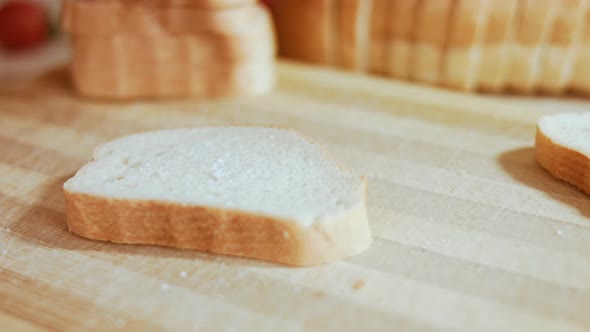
pixel 469 233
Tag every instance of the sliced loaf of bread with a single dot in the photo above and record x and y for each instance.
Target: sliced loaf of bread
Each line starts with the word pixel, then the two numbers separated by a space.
pixel 258 192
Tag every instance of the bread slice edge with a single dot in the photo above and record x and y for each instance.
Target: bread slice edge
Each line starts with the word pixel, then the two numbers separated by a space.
pixel 562 162
pixel 219 230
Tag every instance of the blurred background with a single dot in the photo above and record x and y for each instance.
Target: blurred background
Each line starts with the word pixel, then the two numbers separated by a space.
pixel 45 46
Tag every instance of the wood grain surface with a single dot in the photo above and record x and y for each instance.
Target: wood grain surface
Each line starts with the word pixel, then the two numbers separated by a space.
pixel 469 233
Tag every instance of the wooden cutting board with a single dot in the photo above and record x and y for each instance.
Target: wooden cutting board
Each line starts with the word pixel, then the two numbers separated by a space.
pixel 469 233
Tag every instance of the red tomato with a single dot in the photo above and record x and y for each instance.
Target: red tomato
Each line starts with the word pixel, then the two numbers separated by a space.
pixel 23 24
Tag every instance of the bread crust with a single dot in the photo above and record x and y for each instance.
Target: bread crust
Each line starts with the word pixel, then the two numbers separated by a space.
pixel 379 36
pixel 562 162
pixel 304 29
pixel 216 230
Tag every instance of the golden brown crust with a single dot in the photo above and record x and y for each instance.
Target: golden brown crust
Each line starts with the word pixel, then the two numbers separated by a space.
pixel 304 29
pixel 563 163
pixel 106 18
pixel 347 20
pixel 217 230
pixel 379 36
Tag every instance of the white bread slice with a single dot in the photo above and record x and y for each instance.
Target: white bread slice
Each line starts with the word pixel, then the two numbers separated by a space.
pixel 496 45
pixel 259 192
pixel 304 29
pixel 354 32
pixel 562 147
pixel 430 36
pixel 580 80
pixel 464 47
pixel 402 33
pixel 379 36
pixel 536 21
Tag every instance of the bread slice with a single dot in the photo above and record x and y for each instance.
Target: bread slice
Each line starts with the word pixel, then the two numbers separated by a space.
pixel 106 18
pixel 562 147
pixel 496 46
pixel 354 19
pixel 379 42
pixel 258 192
pixel 402 33
pixel 304 29
pixel 432 20
pixel 464 47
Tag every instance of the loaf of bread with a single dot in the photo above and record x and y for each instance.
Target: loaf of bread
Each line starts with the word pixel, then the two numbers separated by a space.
pixel 131 49
pixel 259 192
pixel 526 46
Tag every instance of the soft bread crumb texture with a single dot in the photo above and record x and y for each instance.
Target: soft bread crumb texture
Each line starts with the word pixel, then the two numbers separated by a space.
pixel 263 170
pixel 252 191
pixel 572 130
